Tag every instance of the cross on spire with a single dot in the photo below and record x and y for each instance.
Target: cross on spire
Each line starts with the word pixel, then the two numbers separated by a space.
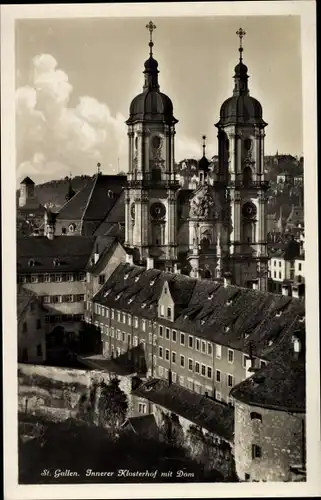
pixel 240 33
pixel 151 27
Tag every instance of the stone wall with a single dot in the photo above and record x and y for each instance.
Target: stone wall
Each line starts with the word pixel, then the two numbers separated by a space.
pixel 279 436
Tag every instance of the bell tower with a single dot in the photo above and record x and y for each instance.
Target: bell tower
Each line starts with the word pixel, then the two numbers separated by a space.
pixel 151 197
pixel 241 132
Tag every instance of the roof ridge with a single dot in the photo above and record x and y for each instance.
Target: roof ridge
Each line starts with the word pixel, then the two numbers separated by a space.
pixel 89 197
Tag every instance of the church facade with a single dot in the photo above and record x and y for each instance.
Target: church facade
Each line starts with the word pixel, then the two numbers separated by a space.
pixel 218 229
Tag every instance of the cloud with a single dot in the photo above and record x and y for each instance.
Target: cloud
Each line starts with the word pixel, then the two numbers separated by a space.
pixel 189 148
pixel 66 138
pixel 54 138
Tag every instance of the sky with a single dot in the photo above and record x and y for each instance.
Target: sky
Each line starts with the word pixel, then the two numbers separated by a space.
pixel 75 79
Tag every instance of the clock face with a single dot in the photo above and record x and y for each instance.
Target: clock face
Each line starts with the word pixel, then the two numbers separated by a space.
pixel 249 210
pixel 132 210
pixel 157 210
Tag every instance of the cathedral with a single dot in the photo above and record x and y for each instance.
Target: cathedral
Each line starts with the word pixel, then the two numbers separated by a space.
pixel 218 229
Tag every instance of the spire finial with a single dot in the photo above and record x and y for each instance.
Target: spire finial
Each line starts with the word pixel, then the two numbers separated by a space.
pixel 204 144
pixel 241 33
pixel 151 27
pixel 98 168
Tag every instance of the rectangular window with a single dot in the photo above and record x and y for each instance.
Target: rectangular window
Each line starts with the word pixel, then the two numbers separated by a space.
pixel 124 318
pixel 174 335
pixel 102 311
pixel 182 338
pixel 143 325
pixel 300 267
pixel 209 372
pixel 190 341
pixel 182 361
pixel 167 354
pixel 39 350
pixel 160 352
pixel 154 339
pixel 209 349
pixel 107 312
pixel 218 351
pixel 197 344
pixel 166 373
pixel 107 330
pixel 46 278
pixel 167 333
pixel 280 263
pixel 101 279
pixel 263 363
pixel 112 332
pixel 173 357
pixel 135 340
pixel 117 334
pixel 141 408
pixel 162 311
pixel 112 314
pixel 280 275
pixel 197 388
pixel 230 380
pixel 46 299
pixel 118 316
pixel 169 313
pixel 70 277
pixel 160 371
pixel 190 364
pixel 256 451
pixel 190 384
pixel 82 276
pixel 203 370
pixel 203 346
pixel 174 377
pixel 160 331
pixel 129 318
pixel 218 376
pixel 218 395
pixel 197 367
pixel 58 278
pixel 274 274
pixel 136 322
pixel 150 338
pixel 34 278
pixel 230 356
pixel 181 381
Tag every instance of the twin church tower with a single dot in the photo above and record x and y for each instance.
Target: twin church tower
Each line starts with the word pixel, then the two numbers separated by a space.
pixel 218 229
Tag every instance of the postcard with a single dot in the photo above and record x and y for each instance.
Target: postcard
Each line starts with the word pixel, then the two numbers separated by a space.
pixel 160 258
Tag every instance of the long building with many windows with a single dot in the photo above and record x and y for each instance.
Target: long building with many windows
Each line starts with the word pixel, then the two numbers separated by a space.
pixel 203 335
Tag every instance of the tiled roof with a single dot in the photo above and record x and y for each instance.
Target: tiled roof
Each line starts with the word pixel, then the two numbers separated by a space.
pixel 203 411
pixel 37 254
pixel 281 384
pixel 102 246
pixel 95 200
pixel 232 316
pixel 116 216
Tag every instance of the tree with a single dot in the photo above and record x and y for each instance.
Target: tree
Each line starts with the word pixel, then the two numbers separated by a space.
pixel 112 405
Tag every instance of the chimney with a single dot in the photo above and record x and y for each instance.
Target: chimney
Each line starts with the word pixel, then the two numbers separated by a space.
pixel 49 224
pixel 176 269
pixel 227 279
pixel 96 255
pixel 150 263
pixel 129 259
pixel 255 285
pixel 285 289
pixel 296 347
pixel 298 291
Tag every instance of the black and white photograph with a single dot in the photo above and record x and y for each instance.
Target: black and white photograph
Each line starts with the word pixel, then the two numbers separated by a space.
pixel 163 258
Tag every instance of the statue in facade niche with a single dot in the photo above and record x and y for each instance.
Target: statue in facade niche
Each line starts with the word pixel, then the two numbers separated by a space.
pixel 201 205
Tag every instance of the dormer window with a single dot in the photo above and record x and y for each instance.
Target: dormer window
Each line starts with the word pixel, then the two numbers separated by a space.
pixel 226 329
pixel 118 295
pixel 255 416
pixel 71 228
pixel 31 262
pixel 137 278
pixel 302 319
pixel 130 300
pixel 106 293
pixel 152 283
pixel 278 314
pixel 229 302
pixel 144 305
pixel 270 342
pixel 210 297
pixel 56 262
pixel 202 321
pixel 126 276
pixel 169 312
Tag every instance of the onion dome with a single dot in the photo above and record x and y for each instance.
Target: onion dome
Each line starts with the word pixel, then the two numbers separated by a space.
pixel 151 104
pixel 241 108
pixel 203 163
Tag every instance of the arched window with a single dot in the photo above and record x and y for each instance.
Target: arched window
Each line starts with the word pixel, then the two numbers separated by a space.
pixel 63 230
pixel 256 416
pixel 247 176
